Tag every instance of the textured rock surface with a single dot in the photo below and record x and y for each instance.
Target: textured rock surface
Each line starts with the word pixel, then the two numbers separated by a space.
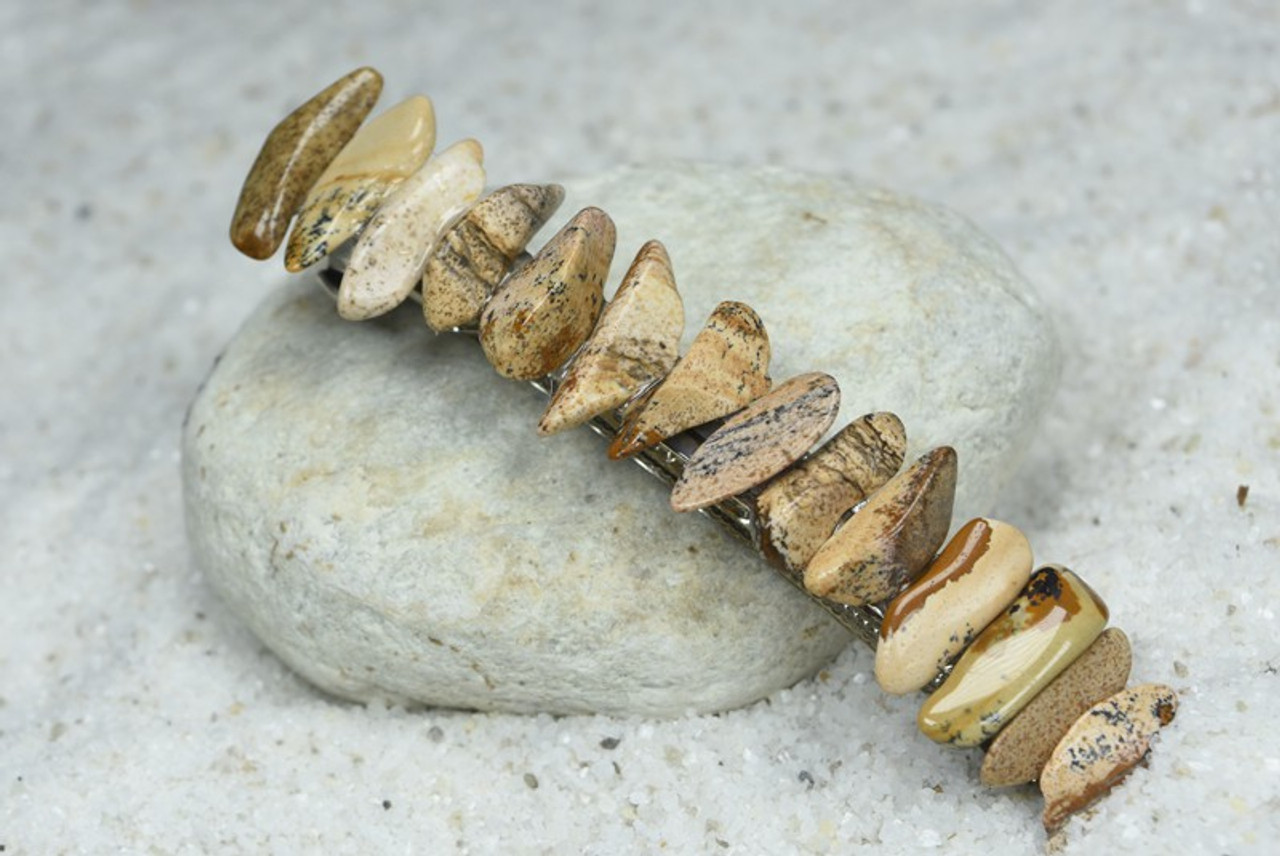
pixel 375 504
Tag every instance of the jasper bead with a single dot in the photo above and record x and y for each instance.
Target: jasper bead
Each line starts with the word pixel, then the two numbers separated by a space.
pixel 1052 622
pixel 974 578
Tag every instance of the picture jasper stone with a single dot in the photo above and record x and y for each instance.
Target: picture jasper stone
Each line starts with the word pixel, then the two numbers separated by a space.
pixel 294 155
pixel 1022 748
pixel 889 541
pixel 799 509
pixel 974 578
pixel 386 151
pixel 1052 622
pixel 759 441
pixel 1101 747
pixel 726 368
pixel 636 342
pixel 548 308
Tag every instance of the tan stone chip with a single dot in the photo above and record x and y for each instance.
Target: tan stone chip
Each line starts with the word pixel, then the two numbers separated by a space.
pixel 547 309
pixel 387 261
pixel 1022 748
pixel 294 155
pixel 726 368
pixel 759 441
pixel 799 509
pixel 890 540
pixel 975 577
pixel 1101 747
pixel 637 341
pixel 470 263
pixel 386 151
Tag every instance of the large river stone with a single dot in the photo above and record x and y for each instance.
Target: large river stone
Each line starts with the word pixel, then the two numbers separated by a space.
pixel 373 502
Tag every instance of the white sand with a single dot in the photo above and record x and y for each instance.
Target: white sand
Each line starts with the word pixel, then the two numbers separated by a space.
pixel 1127 155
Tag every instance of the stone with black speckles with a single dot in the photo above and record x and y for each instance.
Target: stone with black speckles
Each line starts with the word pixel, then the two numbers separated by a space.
pixel 636 342
pixel 1048 627
pixel 294 155
pixel 799 509
pixel 975 577
pixel 890 540
pixel 759 441
pixel 476 254
pixel 1022 748
pixel 382 154
pixel 387 261
pixel 725 369
pixel 548 308
pixel 1101 747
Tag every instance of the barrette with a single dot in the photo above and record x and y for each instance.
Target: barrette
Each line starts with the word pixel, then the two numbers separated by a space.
pixel 1015 659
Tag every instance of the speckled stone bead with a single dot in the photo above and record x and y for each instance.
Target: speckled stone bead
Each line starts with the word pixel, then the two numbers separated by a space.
pixel 759 441
pixel 637 341
pixel 294 155
pixel 975 577
pixel 1019 752
pixel 1052 622
pixel 388 259
pixel 548 308
pixel 726 368
pixel 799 509
pixel 386 151
pixel 891 539
pixel 476 254
pixel 1101 747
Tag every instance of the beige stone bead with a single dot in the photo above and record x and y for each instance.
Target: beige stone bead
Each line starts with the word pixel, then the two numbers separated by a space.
pixel 1051 623
pixel 547 309
pixel 975 577
pixel 1101 747
pixel 476 254
pixel 1019 752
pixel 726 368
pixel 799 509
pixel 388 259
pixel 889 541
pixel 637 341
pixel 758 442
pixel 386 151
pixel 294 155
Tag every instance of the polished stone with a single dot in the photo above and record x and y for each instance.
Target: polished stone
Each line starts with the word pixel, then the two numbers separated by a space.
pixel 725 369
pixel 294 155
pixel 476 254
pixel 975 577
pixel 799 509
pixel 1019 752
pixel 548 308
pixel 1041 633
pixel 386 151
pixel 890 540
pixel 636 342
pixel 388 259
pixel 1101 747
pixel 759 441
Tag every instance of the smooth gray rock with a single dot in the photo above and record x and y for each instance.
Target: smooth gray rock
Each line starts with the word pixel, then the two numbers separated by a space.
pixel 373 500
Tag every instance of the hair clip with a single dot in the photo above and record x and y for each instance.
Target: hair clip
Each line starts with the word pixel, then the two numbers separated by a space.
pixel 1012 658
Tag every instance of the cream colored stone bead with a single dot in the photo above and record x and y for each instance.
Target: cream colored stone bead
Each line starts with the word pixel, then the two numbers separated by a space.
pixel 388 259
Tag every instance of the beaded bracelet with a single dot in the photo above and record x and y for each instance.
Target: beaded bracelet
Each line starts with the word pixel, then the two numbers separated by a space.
pixel 1017 661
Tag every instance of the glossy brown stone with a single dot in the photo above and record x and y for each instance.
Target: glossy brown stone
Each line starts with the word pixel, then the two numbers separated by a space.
pixel 1019 752
pixel 759 441
pixel 1101 747
pixel 476 254
pixel 726 368
pixel 548 308
pixel 294 155
pixel 799 509
pixel 891 539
